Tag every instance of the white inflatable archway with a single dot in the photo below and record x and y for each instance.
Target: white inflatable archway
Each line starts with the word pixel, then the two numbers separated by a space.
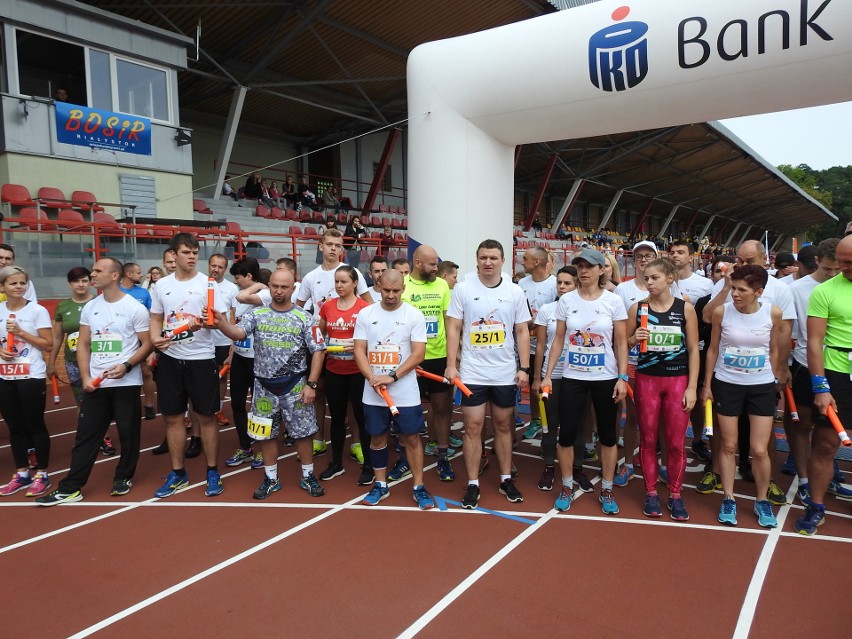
pixel 606 67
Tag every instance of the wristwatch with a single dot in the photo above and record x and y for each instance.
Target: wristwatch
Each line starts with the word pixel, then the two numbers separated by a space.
pixel 128 366
pixel 311 384
pixel 525 369
pixel 393 376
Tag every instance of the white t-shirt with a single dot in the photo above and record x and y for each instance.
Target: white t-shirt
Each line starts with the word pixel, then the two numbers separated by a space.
pixel 227 291
pixel 788 279
pixel 114 327
pixel 389 335
pixel 30 361
pixel 376 295
pixel 538 294
pixel 589 327
pixel 774 293
pixel 318 287
pixel 245 347
pixel 179 301
pixel 547 317
pixel 488 319
pixel 695 287
pixel 801 290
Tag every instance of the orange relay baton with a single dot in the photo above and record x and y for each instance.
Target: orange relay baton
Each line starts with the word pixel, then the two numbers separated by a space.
pixel 464 389
pixel 97 381
pixel 643 323
pixel 835 421
pixel 433 377
pixel 383 391
pixel 224 370
pixel 211 299
pixel 791 404
pixel 54 385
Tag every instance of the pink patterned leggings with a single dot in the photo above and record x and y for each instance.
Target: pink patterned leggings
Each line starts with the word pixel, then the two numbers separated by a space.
pixel 659 400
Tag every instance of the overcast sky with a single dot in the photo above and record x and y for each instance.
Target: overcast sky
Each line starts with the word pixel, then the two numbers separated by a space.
pixel 820 137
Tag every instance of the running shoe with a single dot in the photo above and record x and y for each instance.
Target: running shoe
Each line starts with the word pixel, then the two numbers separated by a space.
pixel 745 472
pixel 357 453
pixel 511 491
pixel 533 429
pixel 677 509
pixel 545 482
pixel 288 441
pixel 563 501
pixel 377 493
pixel 808 523
pixel 709 482
pixel 775 495
pixel 18 483
pixel 728 512
pixel 39 485
pixel 838 476
pixel 174 483
pixel 445 470
pixel 55 498
pixel 455 442
pixel 257 462
pixel 332 471
pixel 623 476
pixel 214 483
pixel 620 442
pixel 161 449
pixel 663 476
pixel 765 516
pixel 311 485
pixel 591 455
pixel 400 469
pixel 150 413
pixel 431 449
pixel 32 459
pixel 107 448
pixel 221 420
pixel 423 498
pixel 242 455
pixel 608 505
pixel 483 464
pixel 701 450
pixel 471 497
pixel 193 449
pixel 779 416
pixel 651 508
pixel 581 479
pixel 789 467
pixel 120 487
pixel 367 476
pixel 519 422
pixel 839 490
pixel 267 487
pixel 803 494
pixel 320 448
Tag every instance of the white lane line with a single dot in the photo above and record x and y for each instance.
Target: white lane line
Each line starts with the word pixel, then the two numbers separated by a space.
pixel 755 587
pixel 471 579
pixel 204 574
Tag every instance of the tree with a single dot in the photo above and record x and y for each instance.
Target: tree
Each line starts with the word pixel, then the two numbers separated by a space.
pixel 830 187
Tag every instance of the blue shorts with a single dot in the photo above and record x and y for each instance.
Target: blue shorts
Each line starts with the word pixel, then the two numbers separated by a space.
pixel 500 396
pixel 377 419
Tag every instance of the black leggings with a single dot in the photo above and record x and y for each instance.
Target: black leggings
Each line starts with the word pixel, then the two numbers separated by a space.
pixel 242 380
pixel 341 390
pixel 548 439
pixel 22 406
pixel 574 394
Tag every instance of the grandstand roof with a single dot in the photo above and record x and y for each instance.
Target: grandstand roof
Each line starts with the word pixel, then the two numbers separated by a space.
pixel 320 71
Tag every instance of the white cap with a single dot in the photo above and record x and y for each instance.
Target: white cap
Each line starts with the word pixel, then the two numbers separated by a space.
pixel 647 243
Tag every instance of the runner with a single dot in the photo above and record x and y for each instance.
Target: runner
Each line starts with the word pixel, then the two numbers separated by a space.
pixel 169 266
pixel 830 364
pixel 744 356
pixel 344 381
pixel 595 369
pixel 390 341
pixel 217 266
pixel 449 272
pixel 186 369
pixel 114 339
pixel 666 382
pixel 7 258
pixel 483 311
pixel 288 360
pixel 131 284
pixel 27 335
pixel 378 265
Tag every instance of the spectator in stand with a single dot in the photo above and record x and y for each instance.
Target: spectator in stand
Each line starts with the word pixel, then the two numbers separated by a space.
pixel 265 197
pixel 564 233
pixel 60 95
pixel 252 190
pixel 275 194
pixel 228 190
pixel 329 199
pixel 386 241
pixel 536 224
pixel 306 196
pixel 288 190
pixel 352 236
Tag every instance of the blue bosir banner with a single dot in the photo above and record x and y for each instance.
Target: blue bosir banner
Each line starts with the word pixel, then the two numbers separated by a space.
pixel 99 129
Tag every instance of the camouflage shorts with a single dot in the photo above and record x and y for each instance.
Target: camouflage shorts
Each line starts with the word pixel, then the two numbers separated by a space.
pixel 268 410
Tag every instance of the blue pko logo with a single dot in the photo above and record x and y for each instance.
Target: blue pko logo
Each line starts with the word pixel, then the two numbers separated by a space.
pixel 618 54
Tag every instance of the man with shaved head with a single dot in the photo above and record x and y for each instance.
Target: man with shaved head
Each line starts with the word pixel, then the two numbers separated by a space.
pixel 430 294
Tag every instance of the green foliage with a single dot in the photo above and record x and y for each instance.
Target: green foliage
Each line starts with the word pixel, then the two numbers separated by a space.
pixel 830 187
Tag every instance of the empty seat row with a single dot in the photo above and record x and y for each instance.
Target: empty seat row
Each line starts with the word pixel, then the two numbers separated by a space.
pixel 306 216
pixel 48 197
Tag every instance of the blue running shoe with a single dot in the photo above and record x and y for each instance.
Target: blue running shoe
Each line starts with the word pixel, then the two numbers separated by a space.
pixel 838 476
pixel 519 422
pixel 808 523
pixel 267 487
pixel 533 429
pixel 728 512
pixel 174 483
pixel 789 467
pixel 663 476
pixel 445 470
pixel 765 516
pixel 803 494
pixel 310 484
pixel 623 476
pixel 214 483
pixel 678 509
pixel 377 493
pixel 608 505
pixel 652 506
pixel 400 469
pixel 455 442
pixel 563 501
pixel 423 498
pixel 257 462
pixel 242 455
pixel 839 490
pixel 431 449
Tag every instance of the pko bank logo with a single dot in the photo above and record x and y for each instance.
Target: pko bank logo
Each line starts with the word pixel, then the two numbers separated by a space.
pixel 618 54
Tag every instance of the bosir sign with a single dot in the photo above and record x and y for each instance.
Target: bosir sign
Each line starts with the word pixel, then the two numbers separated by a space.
pixel 84 126
pixel 606 67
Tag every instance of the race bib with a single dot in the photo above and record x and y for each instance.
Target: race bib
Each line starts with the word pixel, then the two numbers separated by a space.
pixel 259 427
pixel 586 359
pixel 12 370
pixel 431 326
pixel 744 360
pixel 178 330
pixel 71 341
pixel 106 348
pixel 487 336
pixel 633 356
pixel 384 358
pixel 243 346
pixel 664 338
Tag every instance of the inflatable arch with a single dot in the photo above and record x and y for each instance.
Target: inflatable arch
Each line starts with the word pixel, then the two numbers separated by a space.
pixel 602 68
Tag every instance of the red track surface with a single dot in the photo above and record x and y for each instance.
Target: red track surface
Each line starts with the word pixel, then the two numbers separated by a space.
pixel 193 566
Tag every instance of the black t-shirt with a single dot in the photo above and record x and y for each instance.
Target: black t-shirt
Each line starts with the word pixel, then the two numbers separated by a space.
pixel 666 355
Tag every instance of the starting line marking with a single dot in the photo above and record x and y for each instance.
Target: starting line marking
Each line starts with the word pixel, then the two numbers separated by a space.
pixel 442 505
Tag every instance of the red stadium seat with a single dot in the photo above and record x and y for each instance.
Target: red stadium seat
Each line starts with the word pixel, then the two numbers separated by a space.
pixel 85 201
pixel 34 219
pixel 342 219
pixel 392 210
pixel 401 211
pixel 108 225
pixel 233 227
pixel 51 198
pixel 318 217
pixel 69 220
pixel 290 214
pixel 277 213
pixel 261 211
pixel 199 206
pixel 396 223
pixel 405 223
pixel 16 195
pixel 305 215
pixel 295 230
pixel 375 221
pixel 383 208
pixel 310 230
pixel 386 221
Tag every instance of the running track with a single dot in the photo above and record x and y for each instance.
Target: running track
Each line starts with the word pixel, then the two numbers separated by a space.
pixel 192 566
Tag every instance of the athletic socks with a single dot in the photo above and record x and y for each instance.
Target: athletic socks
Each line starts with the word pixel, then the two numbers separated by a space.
pixel 606 485
pixel 307 469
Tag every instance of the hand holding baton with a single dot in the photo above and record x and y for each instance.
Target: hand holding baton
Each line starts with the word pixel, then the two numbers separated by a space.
pixel 708 418
pixel 543 414
pixel 643 323
pixel 545 392
pixel 10 336
pixel 383 391
pixel 335 349
pixel 211 299
pixel 435 378
pixel 831 414
pixel 791 404
pixel 224 371
pixel 54 384
pixel 97 381
pixel 464 389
